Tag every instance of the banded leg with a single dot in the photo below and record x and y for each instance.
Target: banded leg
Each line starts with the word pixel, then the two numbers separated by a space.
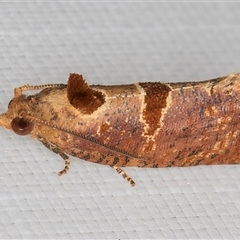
pixel 124 175
pixel 58 151
pixel 67 164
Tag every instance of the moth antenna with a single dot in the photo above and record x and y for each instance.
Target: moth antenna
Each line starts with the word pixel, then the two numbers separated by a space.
pixel 18 91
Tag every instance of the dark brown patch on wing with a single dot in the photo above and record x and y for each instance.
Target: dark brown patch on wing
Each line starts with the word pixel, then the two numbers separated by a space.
pixel 104 127
pixel 81 96
pixel 155 99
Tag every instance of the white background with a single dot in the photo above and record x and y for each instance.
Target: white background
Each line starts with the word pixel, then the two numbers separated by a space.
pixel 113 43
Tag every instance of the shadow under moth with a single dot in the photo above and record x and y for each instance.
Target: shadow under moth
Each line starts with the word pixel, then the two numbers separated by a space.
pixel 149 124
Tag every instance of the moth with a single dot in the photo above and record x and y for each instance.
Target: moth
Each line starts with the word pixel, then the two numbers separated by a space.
pixel 149 124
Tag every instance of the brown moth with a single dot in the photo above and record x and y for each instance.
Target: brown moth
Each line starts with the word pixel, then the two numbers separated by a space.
pixel 148 124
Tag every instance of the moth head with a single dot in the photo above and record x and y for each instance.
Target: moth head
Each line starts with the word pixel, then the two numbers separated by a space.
pixel 16 116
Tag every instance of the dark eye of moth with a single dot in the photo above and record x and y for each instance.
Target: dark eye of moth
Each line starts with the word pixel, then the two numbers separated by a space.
pixel 21 126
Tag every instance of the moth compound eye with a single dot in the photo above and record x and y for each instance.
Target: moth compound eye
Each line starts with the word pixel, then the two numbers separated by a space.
pixel 21 126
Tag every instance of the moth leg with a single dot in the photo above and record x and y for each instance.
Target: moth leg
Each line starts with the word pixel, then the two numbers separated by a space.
pixel 67 164
pixel 124 175
pixel 58 151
